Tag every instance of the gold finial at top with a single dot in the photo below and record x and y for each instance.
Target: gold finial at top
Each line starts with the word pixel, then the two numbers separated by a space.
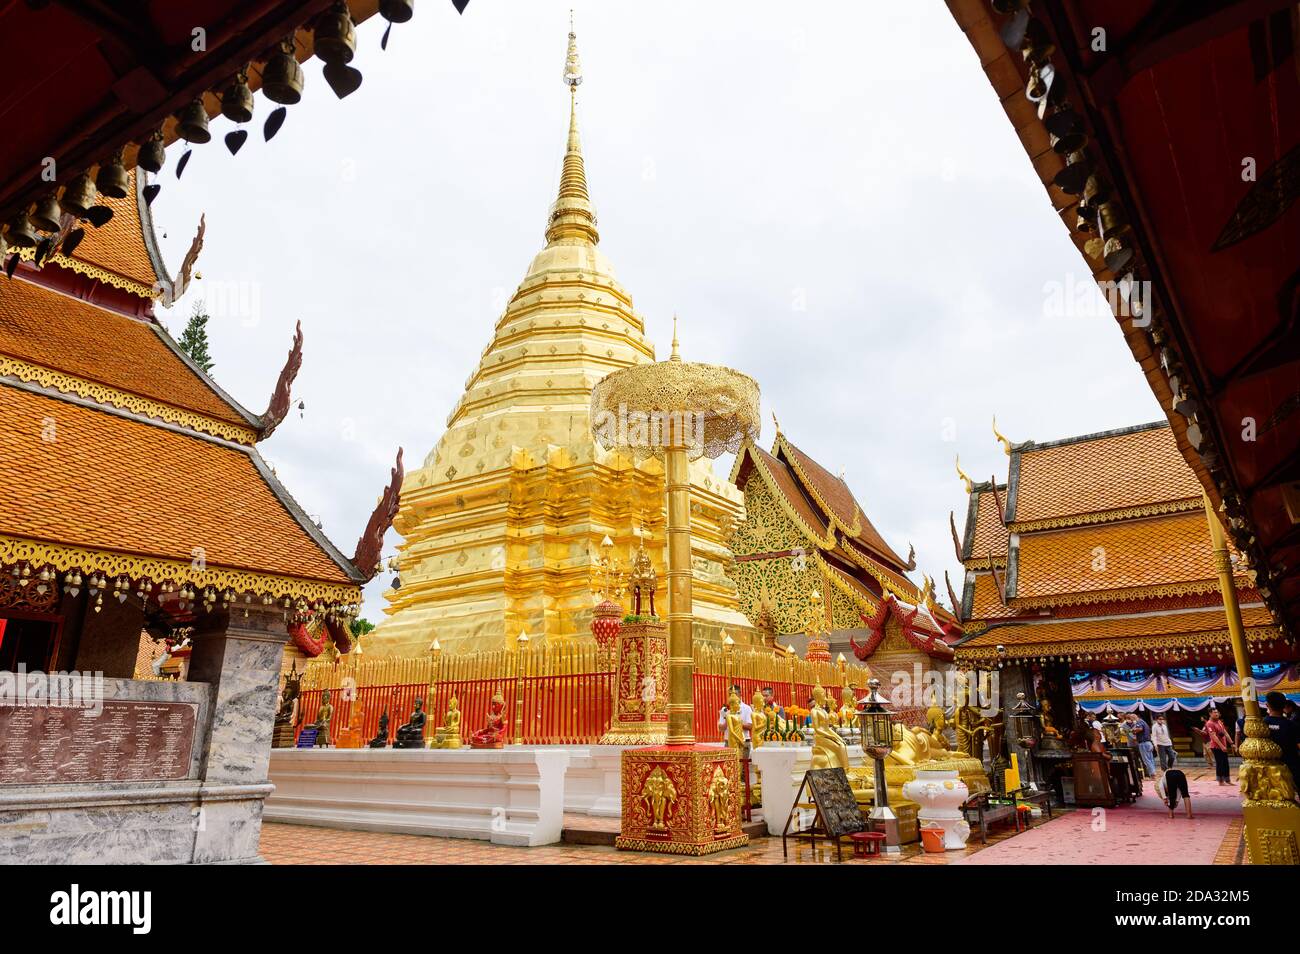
pixel 677 354
pixel 776 424
pixel 572 66
pixel 962 474
pixel 1006 444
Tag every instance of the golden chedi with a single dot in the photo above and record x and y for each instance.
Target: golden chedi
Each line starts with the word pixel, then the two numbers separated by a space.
pixel 502 523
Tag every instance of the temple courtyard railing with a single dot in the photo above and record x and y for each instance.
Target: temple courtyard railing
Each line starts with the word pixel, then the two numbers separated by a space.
pixel 554 695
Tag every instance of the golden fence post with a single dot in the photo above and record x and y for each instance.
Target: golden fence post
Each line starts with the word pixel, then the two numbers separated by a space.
pixel 522 643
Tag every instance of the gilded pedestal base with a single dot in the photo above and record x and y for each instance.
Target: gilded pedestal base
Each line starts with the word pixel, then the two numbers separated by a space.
pixel 1271 818
pixel 640 687
pixel 681 799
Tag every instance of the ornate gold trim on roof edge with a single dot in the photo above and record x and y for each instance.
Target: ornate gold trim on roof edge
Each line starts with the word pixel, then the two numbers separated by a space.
pixel 102 393
pixel 1094 647
pixel 1128 593
pixel 826 539
pixel 1106 516
pixel 811 487
pixel 880 577
pixel 96 272
pixel 838 582
pixel 69 557
pixel 982 563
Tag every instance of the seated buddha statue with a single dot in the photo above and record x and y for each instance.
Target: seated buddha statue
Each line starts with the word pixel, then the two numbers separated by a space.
pixel 490 736
pixel 323 716
pixel 828 749
pixel 411 735
pixel 451 736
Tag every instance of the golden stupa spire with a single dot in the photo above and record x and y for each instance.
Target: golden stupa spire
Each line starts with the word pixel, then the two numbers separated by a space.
pixel 677 354
pixel 573 219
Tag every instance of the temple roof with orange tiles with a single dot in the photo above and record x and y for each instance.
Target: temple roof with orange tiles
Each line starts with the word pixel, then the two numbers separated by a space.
pixel 121 456
pixel 1093 543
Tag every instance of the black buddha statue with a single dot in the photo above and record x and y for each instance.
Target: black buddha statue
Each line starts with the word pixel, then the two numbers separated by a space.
pixel 380 741
pixel 411 735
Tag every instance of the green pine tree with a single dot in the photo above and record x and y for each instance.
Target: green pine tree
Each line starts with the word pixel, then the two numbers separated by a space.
pixel 194 339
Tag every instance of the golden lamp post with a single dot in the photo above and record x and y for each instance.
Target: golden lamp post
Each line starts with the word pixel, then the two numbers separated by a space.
pixel 1270 815
pixel 680 797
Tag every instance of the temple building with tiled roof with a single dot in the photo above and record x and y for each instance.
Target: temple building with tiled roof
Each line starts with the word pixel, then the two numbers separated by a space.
pixel 1092 566
pixel 806 546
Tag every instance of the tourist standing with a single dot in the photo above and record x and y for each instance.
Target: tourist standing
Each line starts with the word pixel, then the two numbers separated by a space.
pixel 1163 743
pixel 746 715
pixel 1220 744
pixel 769 701
pixel 1146 747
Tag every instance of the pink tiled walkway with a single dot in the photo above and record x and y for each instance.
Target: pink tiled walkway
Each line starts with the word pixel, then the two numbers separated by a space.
pixel 1142 833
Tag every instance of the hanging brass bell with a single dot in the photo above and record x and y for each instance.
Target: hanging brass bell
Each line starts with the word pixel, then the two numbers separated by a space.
pixel 21 233
pixel 1094 192
pixel 1117 254
pixel 1072 178
pixel 282 76
pixel 396 11
pixel 152 153
pixel 192 123
pixel 112 179
pixel 1035 89
pixel 79 195
pixel 1111 220
pixel 237 100
pixel 334 36
pixel 1037 45
pixel 47 216
pixel 4 246
pixel 1065 130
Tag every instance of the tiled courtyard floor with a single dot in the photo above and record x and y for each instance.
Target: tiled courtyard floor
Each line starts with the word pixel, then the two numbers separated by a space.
pixel 1137 834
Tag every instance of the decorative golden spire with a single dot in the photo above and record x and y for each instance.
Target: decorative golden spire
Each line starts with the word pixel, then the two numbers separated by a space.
pixel 962 474
pixel 572 216
pixel 677 354
pixel 1006 444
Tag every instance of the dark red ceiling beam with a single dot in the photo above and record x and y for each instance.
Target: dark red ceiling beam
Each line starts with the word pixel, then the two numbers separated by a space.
pixel 1173 28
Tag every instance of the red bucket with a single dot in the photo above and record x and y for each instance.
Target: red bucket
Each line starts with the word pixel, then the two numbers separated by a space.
pixel 932 839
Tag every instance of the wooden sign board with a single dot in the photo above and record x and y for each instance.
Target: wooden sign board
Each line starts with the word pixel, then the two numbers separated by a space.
pixel 838 808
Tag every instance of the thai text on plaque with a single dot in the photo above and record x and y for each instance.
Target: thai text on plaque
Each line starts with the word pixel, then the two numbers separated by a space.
pixel 126 741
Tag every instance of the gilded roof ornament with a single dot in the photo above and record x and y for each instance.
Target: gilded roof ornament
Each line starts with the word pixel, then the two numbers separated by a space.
pixel 962 474
pixel 1006 444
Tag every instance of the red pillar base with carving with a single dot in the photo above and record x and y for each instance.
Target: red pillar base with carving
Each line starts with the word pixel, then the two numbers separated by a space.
pixel 681 799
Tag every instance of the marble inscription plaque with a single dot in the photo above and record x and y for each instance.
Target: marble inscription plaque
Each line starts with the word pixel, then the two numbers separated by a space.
pixel 127 741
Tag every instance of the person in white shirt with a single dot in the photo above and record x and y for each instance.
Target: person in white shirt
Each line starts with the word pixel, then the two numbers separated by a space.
pixel 746 715
pixel 1164 744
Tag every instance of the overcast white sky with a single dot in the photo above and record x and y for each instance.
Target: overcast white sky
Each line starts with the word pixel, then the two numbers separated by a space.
pixel 829 196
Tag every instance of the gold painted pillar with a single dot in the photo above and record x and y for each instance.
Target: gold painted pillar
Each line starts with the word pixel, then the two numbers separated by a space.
pixel 1270 815
pixel 681 668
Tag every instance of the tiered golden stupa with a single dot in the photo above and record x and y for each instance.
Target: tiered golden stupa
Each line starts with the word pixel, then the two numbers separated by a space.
pixel 503 521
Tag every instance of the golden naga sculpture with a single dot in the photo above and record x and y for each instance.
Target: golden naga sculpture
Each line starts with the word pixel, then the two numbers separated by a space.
pixel 735 727
pixel 659 795
pixel 758 721
pixel 828 749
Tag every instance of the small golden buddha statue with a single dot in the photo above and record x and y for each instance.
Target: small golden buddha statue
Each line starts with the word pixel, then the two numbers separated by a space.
pixel 735 727
pixel 758 722
pixel 828 749
pixel 848 707
pixel 323 716
pixel 451 739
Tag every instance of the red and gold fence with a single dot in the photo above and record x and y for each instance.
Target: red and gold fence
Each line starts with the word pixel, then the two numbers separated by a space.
pixel 555 695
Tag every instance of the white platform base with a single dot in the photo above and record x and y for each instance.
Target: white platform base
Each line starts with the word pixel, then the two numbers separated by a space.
pixel 593 782
pixel 509 796
pixel 783 761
